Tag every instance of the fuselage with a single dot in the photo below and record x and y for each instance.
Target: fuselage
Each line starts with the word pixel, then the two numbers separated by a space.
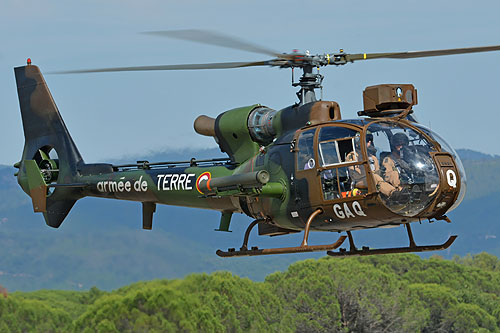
pixel 315 171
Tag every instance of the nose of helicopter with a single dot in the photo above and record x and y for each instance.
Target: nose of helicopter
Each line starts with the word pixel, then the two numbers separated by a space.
pixel 460 167
pixel 417 178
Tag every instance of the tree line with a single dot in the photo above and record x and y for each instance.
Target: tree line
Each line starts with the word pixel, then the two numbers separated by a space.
pixel 389 293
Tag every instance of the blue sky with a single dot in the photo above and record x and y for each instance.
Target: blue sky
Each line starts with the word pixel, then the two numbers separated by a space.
pixel 116 115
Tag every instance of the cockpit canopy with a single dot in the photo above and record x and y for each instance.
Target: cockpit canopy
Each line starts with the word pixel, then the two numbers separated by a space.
pixel 408 178
pixel 396 155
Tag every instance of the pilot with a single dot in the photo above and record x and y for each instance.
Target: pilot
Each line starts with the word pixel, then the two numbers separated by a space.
pixel 393 164
pixel 357 172
pixel 372 153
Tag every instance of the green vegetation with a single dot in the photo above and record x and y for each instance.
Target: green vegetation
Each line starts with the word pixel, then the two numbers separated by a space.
pixel 391 293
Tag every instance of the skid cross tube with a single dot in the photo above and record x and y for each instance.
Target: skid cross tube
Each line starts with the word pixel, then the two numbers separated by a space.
pixel 255 251
pixel 366 251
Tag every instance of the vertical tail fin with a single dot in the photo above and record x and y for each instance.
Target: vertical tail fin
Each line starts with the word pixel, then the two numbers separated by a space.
pixel 46 133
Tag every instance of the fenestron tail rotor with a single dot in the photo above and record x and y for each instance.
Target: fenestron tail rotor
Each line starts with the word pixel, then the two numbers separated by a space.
pixel 308 82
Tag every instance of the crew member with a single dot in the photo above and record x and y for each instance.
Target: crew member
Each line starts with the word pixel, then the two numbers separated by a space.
pixel 393 164
pixel 357 172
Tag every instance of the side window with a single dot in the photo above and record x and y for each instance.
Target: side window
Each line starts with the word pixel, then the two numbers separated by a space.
pixel 336 183
pixel 330 184
pixel 305 156
pixel 328 152
pixel 338 145
pixel 338 151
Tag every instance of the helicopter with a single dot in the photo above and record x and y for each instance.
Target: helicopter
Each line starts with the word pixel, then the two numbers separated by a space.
pixel 299 169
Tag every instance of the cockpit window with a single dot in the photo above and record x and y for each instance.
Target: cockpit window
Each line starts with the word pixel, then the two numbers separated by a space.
pixel 333 133
pixel 407 178
pixel 338 145
pixel 305 157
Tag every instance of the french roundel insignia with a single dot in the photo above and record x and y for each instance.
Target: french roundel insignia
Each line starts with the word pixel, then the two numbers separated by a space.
pixel 204 176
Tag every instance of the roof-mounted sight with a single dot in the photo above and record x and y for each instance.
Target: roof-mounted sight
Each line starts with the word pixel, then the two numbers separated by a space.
pixel 388 99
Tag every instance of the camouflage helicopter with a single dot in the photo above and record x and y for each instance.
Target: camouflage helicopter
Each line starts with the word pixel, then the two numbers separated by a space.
pixel 301 168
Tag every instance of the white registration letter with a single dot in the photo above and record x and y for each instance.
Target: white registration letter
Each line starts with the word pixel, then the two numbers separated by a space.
pixel 348 212
pixel 451 177
pixel 338 211
pixel 357 208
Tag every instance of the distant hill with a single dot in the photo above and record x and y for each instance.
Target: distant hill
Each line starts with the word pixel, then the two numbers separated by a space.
pixel 101 243
pixel 483 178
pixel 468 154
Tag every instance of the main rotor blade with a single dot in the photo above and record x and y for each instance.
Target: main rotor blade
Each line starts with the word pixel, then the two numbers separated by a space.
pixel 215 38
pixel 420 54
pixel 219 65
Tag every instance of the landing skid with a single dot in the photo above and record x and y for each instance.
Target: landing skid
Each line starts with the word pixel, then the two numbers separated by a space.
pixel 255 251
pixel 353 250
pixel 366 251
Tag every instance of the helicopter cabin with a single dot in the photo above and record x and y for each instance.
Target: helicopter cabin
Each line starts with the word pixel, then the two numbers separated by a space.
pixel 386 154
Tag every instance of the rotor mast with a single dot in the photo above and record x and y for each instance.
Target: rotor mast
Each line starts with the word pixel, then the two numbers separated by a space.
pixel 308 82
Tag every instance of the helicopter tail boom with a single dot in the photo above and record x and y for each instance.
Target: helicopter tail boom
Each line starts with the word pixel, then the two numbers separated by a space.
pixel 50 156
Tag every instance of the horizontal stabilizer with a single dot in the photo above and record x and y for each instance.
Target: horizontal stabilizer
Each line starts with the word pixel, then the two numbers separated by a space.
pixel 54 210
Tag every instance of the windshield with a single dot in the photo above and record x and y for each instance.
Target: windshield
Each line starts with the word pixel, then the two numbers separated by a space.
pixel 447 148
pixel 405 175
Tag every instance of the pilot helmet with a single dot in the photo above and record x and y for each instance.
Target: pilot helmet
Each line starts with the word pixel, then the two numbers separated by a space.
pixel 399 139
pixel 369 137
